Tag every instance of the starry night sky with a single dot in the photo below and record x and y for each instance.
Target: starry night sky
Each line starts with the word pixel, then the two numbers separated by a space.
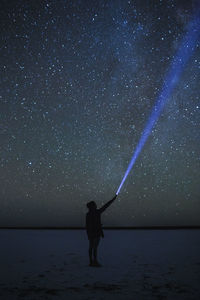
pixel 78 82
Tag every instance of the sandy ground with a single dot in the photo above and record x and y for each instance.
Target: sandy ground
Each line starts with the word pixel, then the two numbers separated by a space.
pixel 137 264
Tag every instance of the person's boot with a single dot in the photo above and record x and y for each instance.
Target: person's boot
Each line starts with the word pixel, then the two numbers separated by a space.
pixel 96 263
pixel 91 264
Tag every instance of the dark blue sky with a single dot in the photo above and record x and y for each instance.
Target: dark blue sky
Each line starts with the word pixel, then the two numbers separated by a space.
pixel 78 82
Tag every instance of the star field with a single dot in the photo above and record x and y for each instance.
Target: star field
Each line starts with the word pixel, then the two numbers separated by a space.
pixel 78 82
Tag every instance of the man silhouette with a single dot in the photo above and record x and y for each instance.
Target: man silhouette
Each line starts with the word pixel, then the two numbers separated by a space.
pixel 94 229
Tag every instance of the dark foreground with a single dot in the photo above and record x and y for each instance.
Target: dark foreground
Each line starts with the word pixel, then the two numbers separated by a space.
pixel 137 264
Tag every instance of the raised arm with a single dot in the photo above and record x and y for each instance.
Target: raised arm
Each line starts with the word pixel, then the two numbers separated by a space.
pixel 103 208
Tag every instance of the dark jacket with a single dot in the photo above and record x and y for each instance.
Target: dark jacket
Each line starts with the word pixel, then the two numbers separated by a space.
pixel 93 221
pixel 93 224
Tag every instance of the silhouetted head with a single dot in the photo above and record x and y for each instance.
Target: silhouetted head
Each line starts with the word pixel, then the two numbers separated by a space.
pixel 91 205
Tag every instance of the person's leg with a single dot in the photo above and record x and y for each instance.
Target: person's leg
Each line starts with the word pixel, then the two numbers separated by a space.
pixel 95 247
pixel 91 242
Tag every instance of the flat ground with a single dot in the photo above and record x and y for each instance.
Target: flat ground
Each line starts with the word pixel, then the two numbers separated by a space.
pixel 137 264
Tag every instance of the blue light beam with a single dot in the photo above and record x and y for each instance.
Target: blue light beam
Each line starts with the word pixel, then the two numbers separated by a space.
pixel 176 68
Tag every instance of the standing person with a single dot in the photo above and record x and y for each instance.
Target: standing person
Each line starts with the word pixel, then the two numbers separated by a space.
pixel 94 229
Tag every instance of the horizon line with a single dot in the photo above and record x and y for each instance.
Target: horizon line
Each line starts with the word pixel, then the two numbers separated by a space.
pixel 106 227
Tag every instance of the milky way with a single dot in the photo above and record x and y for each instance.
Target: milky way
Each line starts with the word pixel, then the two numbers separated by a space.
pixel 78 83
